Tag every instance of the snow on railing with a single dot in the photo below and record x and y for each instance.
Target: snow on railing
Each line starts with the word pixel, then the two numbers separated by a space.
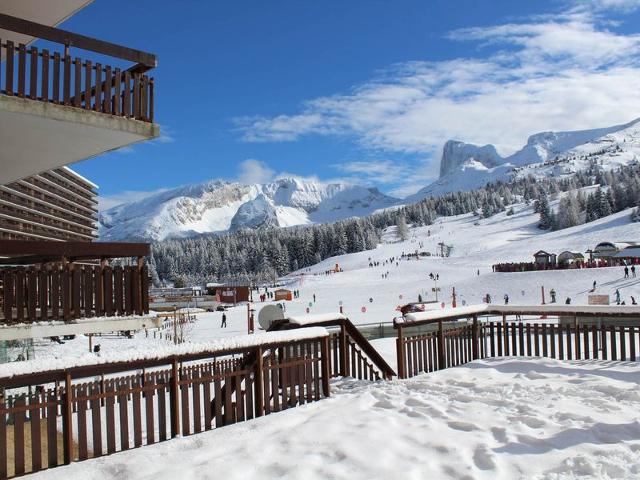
pixel 157 352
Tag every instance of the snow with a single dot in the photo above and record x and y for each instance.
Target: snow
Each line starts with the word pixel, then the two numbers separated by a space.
pixel 496 419
pixel 551 308
pixel 157 351
pixel 466 166
pixel 316 318
pixel 217 206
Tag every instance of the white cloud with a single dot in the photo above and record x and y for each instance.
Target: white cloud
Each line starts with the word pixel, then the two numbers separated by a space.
pixel 108 201
pixel 254 171
pixel 563 73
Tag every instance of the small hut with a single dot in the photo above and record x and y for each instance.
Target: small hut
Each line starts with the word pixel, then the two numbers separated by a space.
pixel 544 259
pixel 283 294
pixel 568 258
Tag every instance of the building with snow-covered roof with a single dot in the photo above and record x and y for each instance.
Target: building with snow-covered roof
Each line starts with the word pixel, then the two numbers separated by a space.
pixel 606 250
pixel 570 258
pixel 544 259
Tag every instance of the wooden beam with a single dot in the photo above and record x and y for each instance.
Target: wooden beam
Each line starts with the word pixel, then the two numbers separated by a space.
pixel 72 250
pixel 45 32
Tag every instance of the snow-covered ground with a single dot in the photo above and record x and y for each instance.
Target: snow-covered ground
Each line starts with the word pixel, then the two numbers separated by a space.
pixel 495 419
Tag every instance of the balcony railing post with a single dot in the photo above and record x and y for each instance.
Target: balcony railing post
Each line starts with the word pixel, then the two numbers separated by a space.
pixel 326 362
pixel 400 352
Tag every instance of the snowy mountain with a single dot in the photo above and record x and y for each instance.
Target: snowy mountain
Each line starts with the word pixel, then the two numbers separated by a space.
pixel 218 206
pixel 466 166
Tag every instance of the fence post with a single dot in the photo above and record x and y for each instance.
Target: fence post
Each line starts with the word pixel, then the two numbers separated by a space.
pixel 259 385
pixel 400 352
pixel 325 366
pixel 440 346
pixel 173 400
pixel 67 422
pixel 343 350
pixel 474 338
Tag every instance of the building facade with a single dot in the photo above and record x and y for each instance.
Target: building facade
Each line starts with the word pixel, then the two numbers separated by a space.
pixel 56 205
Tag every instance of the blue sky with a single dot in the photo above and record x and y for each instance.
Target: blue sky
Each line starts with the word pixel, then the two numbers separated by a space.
pixel 366 91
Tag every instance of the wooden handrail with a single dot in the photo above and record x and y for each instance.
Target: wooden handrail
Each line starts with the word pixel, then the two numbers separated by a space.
pixel 146 60
pixel 354 333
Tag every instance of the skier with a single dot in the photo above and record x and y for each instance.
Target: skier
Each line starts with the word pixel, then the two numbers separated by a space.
pixel 594 286
pixel 553 295
pixel 633 271
pixel 314 298
pixel 617 296
pixel 419 298
pixel 478 272
pixel 568 301
pixel 633 300
pixel 224 321
pixel 506 299
pixel 626 272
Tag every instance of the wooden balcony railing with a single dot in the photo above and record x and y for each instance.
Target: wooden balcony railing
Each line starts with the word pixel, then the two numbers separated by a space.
pixel 76 291
pixel 62 79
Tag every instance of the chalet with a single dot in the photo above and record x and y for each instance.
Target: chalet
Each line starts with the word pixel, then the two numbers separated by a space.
pixel 544 259
pixel 568 258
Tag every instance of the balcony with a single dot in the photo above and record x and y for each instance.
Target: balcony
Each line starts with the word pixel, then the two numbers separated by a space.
pixel 57 107
pixel 49 288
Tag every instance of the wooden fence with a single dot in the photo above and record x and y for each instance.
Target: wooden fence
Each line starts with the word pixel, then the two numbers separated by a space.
pixel 63 80
pixel 53 418
pixel 351 354
pixel 76 291
pixel 446 347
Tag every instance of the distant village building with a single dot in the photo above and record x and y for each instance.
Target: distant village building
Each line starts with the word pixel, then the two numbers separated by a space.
pixel 568 258
pixel 605 250
pixel 544 259
pixel 228 293
pixel 631 254
pixel 283 294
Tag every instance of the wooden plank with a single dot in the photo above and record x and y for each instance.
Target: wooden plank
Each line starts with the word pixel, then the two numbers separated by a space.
pixel 552 340
pixel 52 429
pixel 96 421
pixel 32 294
pixel 54 297
pixel 623 343
pixel 33 73
pixel 88 75
pixel 585 339
pixel 632 343
pixel 275 382
pixel 36 435
pixel 87 291
pixel 569 351
pixel 109 291
pixel 162 410
pixel 613 333
pixel 97 102
pixel 217 402
pixel 239 413
pixel 76 280
pixel 207 400
pixel 604 343
pixel 137 411
pixel 560 343
pixel 77 83
pixel 19 295
pixel 110 416
pixel 195 398
pixel 81 393
pixel 117 101
pixel 56 78
pixel 18 437
pixel 594 341
pixel 106 90
pixel 66 80
pixel 184 392
pixel 228 403
pixel 136 96
pixel 118 281
pixel 316 371
pixel 44 84
pixel 126 101
pixel 42 294
pixel 149 394
pixel 128 293
pixel 248 396
pixel 309 371
pixel 9 67
pixel 22 69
